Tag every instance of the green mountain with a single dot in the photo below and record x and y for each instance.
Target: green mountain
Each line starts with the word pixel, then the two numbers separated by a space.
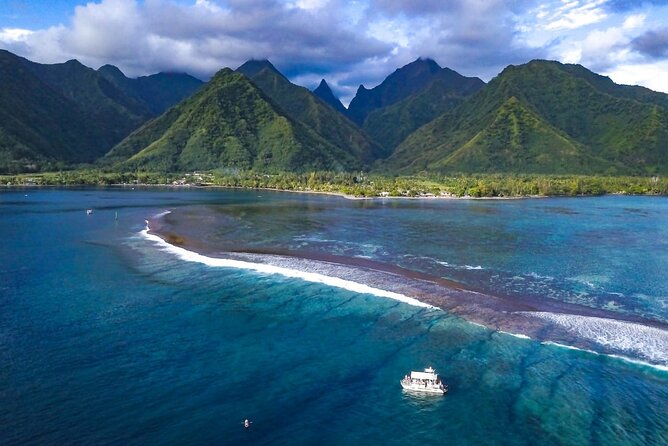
pixel 63 113
pixel 519 140
pixel 156 92
pixel 327 95
pixel 540 117
pixel 229 122
pixel 112 112
pixel 303 106
pixel 391 124
pixel 544 117
pixel 403 83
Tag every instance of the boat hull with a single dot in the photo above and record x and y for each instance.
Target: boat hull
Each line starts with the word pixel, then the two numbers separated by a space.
pixel 420 388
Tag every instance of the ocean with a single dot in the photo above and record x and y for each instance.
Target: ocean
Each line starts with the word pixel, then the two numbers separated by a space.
pixel 547 318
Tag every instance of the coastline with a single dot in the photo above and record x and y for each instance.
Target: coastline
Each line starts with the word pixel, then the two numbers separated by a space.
pixel 314 192
pixel 364 185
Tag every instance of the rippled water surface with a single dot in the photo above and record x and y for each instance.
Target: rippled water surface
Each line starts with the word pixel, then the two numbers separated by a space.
pixel 106 337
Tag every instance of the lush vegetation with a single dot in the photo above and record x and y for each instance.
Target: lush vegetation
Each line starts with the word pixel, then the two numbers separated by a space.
pixel 228 122
pixel 604 128
pixel 391 124
pixel 63 114
pixel 38 126
pixel 361 184
pixel 306 108
pixel 541 118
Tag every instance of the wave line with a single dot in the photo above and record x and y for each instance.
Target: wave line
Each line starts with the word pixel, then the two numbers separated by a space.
pixel 336 282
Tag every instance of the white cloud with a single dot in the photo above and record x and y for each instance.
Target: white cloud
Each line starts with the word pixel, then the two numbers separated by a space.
pixel 308 4
pixel 573 15
pixel 634 21
pixel 346 41
pixel 650 75
pixel 202 36
pixel 603 44
pixel 14 34
pixel 208 5
pixel 602 49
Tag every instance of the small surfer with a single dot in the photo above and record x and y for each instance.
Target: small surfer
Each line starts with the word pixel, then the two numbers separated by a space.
pixel 247 423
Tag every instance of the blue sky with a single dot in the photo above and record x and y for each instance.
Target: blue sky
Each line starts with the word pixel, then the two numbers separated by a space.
pixel 346 42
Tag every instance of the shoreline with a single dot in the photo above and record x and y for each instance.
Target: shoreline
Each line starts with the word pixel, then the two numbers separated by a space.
pixel 330 193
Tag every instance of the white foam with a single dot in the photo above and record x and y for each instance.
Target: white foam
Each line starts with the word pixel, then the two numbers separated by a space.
pixel 640 340
pixel 162 214
pixel 623 358
pixel 516 335
pixel 570 347
pixel 444 263
pixel 337 282
pixel 539 276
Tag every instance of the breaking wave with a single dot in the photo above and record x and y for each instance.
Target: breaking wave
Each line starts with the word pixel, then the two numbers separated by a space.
pixel 190 256
pixel 621 337
pixel 629 341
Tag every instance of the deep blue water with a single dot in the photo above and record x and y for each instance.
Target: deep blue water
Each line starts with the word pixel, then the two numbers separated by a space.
pixel 105 338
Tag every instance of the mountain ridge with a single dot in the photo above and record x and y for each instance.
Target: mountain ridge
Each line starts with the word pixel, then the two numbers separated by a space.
pixel 621 133
pixel 538 117
pixel 302 105
pixel 228 123
pixel 54 115
pixel 157 92
pixel 400 84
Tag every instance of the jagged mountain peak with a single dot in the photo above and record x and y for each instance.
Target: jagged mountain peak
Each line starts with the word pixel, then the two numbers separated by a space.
pixel 304 106
pixel 401 84
pixel 74 62
pixel 325 93
pixel 253 67
pixel 421 63
pixel 111 71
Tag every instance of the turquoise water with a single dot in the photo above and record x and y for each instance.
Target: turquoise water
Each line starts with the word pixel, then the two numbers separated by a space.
pixel 108 338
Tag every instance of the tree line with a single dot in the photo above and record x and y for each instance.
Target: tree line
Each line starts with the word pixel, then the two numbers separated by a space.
pixel 363 184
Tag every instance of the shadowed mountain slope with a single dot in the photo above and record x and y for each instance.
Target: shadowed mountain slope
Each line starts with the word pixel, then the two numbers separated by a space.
pixel 403 83
pixel 327 95
pixel 304 106
pixel 156 92
pixel 61 113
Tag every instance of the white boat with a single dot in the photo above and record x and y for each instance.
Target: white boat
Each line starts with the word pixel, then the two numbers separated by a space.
pixel 425 382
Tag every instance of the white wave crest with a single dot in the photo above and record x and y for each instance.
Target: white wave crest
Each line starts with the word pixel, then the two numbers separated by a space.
pixel 162 214
pixel 640 340
pixel 516 335
pixel 337 282
pixel 450 265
